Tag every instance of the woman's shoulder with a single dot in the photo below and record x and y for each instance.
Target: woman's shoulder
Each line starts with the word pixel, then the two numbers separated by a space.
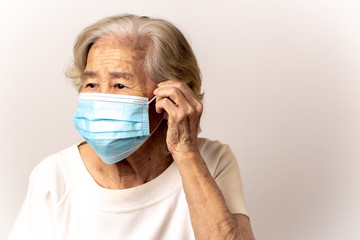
pixel 206 144
pixel 53 165
pixel 216 154
pixel 49 179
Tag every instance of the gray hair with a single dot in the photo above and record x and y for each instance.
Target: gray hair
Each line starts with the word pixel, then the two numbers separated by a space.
pixel 168 57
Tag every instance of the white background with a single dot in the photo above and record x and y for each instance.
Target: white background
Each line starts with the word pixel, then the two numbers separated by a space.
pixel 282 88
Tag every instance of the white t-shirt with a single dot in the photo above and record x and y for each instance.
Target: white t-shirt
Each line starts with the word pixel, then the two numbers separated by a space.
pixel 64 201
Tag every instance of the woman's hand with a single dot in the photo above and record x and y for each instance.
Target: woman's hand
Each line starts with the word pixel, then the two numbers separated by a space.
pixel 210 217
pixel 183 111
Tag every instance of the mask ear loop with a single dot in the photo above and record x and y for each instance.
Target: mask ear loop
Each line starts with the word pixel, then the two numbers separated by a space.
pixel 151 100
pixel 156 127
pixel 159 121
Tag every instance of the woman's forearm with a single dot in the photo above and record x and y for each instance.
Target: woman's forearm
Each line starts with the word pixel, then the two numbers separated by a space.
pixel 209 214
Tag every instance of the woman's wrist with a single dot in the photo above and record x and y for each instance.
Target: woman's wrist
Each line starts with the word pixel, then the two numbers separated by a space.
pixel 186 155
pixel 190 164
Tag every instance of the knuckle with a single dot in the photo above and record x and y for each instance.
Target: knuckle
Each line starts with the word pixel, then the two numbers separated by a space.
pixel 182 85
pixel 199 108
pixel 181 116
pixel 191 112
pixel 173 91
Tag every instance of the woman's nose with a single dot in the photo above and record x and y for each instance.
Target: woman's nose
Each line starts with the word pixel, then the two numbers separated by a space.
pixel 104 88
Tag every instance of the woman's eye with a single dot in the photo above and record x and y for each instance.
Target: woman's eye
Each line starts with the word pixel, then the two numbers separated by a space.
pixel 91 85
pixel 119 86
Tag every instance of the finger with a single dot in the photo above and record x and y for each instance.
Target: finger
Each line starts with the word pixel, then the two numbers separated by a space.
pixel 178 116
pixel 186 92
pixel 173 93
pixel 192 106
pixel 183 87
pixel 177 98
pixel 166 105
pixel 196 105
pixel 158 98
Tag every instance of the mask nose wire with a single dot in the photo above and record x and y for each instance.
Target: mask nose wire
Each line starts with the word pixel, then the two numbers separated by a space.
pixel 151 100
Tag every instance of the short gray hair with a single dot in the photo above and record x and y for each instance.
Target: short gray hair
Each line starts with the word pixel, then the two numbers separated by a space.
pixel 168 57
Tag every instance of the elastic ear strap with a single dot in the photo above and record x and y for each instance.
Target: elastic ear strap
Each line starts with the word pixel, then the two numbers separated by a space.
pixel 152 100
pixel 156 127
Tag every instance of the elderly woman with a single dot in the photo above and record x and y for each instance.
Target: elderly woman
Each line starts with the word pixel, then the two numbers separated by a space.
pixel 142 172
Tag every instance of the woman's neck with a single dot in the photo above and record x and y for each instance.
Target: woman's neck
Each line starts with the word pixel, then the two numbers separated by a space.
pixel 148 162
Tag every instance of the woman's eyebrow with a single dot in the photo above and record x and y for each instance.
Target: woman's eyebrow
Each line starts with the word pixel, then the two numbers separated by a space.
pixel 120 74
pixel 89 74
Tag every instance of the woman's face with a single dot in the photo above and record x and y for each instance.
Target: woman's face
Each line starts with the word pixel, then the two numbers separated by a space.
pixel 116 67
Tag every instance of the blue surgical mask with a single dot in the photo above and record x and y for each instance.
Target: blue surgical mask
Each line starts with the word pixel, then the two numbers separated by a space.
pixel 114 125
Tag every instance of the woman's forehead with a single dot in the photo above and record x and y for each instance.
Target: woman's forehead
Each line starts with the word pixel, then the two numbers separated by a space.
pixel 109 56
pixel 135 44
pixel 111 49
